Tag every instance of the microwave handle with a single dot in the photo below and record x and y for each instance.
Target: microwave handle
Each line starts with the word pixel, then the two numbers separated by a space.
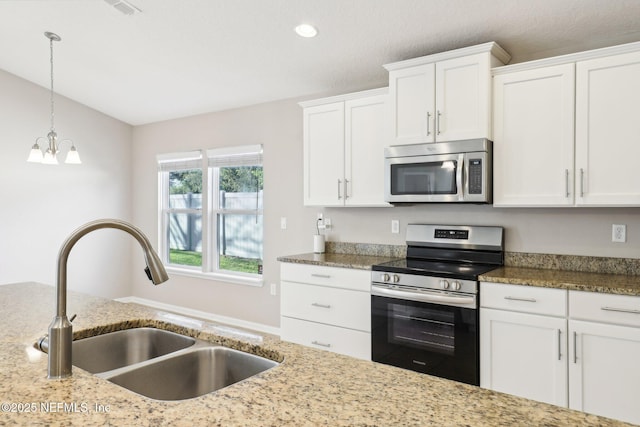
pixel 460 177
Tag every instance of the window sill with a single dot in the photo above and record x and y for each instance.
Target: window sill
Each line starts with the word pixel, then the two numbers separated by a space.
pixel 220 277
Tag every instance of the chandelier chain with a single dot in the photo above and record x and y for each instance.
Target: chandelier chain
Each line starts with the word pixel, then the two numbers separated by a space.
pixel 51 62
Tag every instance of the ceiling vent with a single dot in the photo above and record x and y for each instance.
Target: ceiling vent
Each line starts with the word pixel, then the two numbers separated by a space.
pixel 123 6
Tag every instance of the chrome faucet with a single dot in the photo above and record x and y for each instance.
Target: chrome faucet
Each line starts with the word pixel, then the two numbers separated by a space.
pixel 60 330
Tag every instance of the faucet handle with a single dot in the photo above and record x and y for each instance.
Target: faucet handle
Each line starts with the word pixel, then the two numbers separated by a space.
pixel 73 318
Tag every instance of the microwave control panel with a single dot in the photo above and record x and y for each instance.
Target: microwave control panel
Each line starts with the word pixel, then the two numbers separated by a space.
pixel 475 176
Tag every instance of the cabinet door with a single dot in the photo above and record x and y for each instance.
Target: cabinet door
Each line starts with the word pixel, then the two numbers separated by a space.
pixel 412 95
pixel 604 375
pixel 463 98
pixel 323 128
pixel 366 134
pixel 534 137
pixel 524 355
pixel 607 131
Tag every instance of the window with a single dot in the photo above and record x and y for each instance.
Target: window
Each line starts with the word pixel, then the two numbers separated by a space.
pixel 211 212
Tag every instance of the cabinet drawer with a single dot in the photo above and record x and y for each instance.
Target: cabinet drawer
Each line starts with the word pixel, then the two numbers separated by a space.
pixel 346 278
pixel 325 337
pixel 332 306
pixel 527 299
pixel 607 308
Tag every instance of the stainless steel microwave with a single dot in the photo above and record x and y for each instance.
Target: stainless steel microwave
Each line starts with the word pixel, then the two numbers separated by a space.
pixel 444 172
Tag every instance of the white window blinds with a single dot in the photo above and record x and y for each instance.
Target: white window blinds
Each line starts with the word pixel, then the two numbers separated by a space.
pixel 247 155
pixel 179 161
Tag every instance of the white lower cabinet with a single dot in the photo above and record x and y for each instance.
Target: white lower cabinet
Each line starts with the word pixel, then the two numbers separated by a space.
pixel 586 358
pixel 523 341
pixel 604 358
pixel 524 355
pixel 326 337
pixel 326 308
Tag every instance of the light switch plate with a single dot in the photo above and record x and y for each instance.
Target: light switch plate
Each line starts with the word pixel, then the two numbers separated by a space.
pixel 395 226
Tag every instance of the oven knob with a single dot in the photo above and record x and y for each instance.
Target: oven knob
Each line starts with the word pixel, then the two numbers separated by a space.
pixel 396 278
pixel 444 284
pixel 455 285
pixel 386 277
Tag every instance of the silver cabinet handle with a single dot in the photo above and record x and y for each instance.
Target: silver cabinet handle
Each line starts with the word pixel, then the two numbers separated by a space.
pixel 317 304
pixel 621 310
pixel 321 344
pixel 559 344
pixel 566 182
pixel 581 182
pixel 346 188
pixel 438 122
pixel 575 347
pixel 428 123
pixel 322 276
pixel 520 299
pixel 339 185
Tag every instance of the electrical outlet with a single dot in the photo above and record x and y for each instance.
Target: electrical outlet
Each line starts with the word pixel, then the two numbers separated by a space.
pixel 395 226
pixel 283 223
pixel 619 233
pixel 327 223
pixel 274 289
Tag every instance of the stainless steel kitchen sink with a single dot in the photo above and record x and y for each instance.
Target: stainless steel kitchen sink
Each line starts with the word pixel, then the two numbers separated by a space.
pixel 164 365
pixel 192 373
pixel 114 350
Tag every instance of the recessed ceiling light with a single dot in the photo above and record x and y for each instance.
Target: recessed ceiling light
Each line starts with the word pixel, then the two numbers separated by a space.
pixel 306 30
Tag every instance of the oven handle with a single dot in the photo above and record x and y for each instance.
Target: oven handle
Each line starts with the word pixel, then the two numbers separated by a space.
pixel 430 297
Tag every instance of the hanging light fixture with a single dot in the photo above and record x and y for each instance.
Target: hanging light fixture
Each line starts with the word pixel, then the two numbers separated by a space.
pixel 50 156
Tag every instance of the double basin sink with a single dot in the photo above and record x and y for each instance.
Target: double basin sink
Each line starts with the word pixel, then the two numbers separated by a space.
pixel 164 365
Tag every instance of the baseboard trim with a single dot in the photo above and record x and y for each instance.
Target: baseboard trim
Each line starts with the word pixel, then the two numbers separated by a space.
pixel 202 315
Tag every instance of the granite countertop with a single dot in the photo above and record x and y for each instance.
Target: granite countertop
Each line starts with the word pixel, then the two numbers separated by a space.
pixel 356 261
pixel 310 388
pixel 562 279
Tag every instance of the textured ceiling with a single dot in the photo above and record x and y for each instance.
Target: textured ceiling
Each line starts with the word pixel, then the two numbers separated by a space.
pixel 184 57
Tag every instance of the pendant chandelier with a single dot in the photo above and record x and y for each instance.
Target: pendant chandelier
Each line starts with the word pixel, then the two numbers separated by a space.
pixel 50 156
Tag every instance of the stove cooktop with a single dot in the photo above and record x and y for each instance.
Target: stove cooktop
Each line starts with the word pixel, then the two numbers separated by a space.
pixel 451 270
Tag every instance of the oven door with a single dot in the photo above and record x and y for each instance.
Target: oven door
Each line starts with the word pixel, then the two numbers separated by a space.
pixel 431 338
pixel 434 178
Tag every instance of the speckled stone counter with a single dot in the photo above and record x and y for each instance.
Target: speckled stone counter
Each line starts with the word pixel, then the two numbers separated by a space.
pixel 574 280
pixel 310 387
pixel 360 262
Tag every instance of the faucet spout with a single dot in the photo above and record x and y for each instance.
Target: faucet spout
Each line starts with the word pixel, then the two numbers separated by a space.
pixel 60 330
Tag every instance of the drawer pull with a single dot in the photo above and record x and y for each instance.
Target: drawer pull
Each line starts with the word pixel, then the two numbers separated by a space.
pixel 317 304
pixel 621 310
pixel 321 344
pixel 322 276
pixel 520 299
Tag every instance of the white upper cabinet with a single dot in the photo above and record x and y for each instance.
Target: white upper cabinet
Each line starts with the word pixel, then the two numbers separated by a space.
pixel 324 154
pixel 538 105
pixel 533 137
pixel 366 135
pixel 608 130
pixel 344 140
pixel 443 97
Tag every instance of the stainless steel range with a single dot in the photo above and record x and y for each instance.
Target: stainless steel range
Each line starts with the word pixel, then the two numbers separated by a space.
pixel 424 309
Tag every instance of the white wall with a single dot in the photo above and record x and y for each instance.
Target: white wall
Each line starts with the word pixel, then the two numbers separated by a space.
pixel 42 204
pixel 278 126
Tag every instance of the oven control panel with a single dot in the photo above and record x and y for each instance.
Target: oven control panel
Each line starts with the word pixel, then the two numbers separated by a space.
pixel 424 282
pixel 451 234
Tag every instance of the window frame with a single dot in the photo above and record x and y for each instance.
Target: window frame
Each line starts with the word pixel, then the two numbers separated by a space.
pixel 209 215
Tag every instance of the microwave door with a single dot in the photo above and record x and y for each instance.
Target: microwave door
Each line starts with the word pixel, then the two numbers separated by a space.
pixel 437 178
